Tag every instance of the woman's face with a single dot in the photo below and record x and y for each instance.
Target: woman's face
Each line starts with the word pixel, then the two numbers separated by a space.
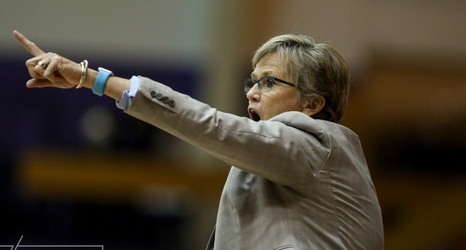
pixel 281 98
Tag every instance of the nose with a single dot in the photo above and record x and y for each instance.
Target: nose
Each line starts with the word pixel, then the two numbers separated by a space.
pixel 254 93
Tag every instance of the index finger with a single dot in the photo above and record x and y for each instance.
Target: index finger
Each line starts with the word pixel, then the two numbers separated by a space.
pixel 30 46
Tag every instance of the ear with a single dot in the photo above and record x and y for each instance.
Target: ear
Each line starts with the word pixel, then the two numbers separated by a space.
pixel 314 106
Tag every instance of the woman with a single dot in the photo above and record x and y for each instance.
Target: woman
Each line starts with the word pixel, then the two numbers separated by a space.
pixel 299 180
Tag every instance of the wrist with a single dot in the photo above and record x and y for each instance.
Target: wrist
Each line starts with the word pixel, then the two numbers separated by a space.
pixel 91 77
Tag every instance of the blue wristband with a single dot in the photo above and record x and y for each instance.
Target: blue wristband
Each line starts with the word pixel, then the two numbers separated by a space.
pixel 101 80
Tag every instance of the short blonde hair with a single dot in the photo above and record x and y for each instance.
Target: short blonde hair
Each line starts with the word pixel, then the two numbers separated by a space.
pixel 317 69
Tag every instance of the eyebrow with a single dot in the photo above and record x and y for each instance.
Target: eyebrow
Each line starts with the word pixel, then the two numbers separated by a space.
pixel 265 73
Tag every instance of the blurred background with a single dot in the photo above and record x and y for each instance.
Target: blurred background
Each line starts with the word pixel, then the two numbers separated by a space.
pixel 76 170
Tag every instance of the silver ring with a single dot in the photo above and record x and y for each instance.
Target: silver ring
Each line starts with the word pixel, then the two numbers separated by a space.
pixel 42 64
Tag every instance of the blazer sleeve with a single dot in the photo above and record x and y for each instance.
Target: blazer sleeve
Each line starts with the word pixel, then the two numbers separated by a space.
pixel 289 153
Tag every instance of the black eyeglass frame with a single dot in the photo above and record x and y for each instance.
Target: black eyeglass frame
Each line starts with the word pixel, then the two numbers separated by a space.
pixel 248 86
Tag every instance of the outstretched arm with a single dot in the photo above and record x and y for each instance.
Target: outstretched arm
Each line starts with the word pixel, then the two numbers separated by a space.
pixel 52 70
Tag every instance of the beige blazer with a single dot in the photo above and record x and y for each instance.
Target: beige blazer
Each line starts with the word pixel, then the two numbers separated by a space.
pixel 295 182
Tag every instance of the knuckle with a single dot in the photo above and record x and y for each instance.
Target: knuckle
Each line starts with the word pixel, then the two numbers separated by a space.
pixel 30 62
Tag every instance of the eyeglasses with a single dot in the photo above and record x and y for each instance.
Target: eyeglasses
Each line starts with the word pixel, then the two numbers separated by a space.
pixel 265 84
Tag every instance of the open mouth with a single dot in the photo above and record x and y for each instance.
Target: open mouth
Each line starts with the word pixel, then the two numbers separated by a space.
pixel 253 115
